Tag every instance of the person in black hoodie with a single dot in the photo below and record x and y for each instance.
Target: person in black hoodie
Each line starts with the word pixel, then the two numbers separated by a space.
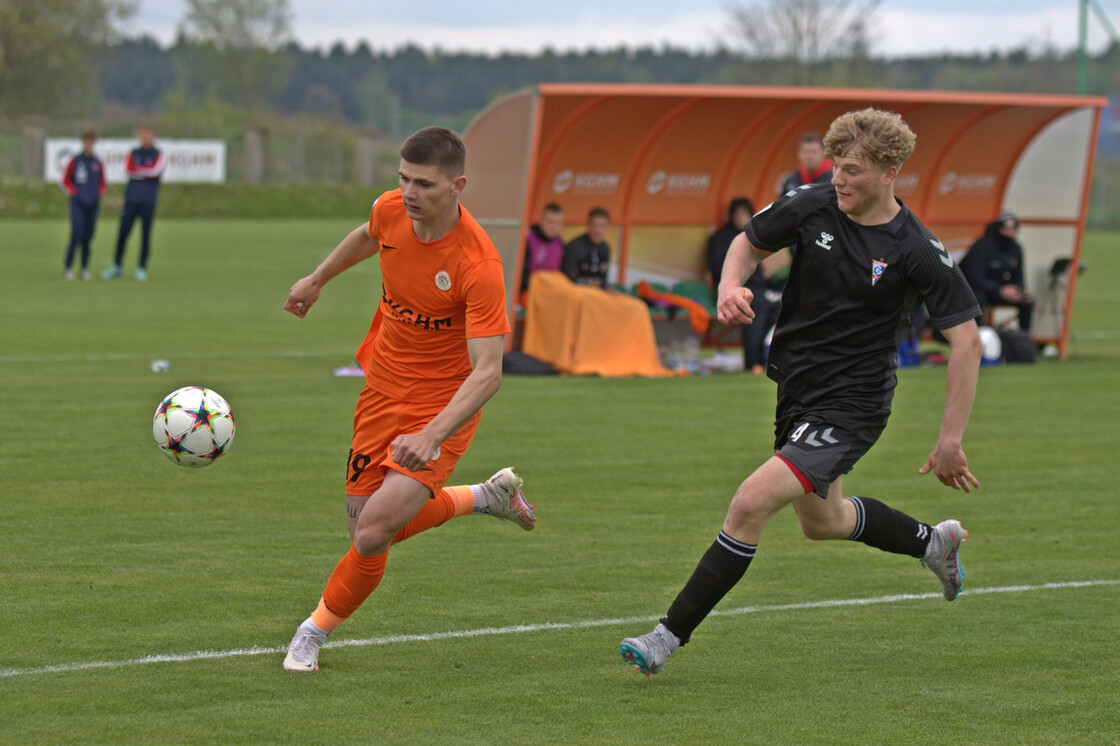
pixel 994 268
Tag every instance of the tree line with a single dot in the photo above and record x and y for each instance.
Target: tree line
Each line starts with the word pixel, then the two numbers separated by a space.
pixel 393 90
pixel 65 59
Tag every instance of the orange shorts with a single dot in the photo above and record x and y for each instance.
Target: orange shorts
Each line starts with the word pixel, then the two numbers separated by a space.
pixel 378 420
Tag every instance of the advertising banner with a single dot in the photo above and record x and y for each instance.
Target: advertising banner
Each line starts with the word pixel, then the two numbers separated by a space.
pixel 189 161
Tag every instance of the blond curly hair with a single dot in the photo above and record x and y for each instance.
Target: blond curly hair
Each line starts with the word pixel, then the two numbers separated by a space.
pixel 882 136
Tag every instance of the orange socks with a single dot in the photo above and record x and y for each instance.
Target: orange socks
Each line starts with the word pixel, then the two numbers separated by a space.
pixel 462 497
pixel 353 579
pixel 356 576
pixel 324 619
pixel 451 502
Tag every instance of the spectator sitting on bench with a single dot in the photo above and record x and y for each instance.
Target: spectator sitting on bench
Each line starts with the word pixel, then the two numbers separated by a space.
pixel 587 258
pixel 994 268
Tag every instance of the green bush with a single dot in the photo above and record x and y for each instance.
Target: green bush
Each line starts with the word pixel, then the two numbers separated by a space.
pixel 37 199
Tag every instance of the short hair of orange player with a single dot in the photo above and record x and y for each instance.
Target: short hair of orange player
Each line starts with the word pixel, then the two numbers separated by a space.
pixel 439 147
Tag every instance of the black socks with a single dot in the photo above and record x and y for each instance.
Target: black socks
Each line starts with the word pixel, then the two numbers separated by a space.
pixel 882 527
pixel 719 570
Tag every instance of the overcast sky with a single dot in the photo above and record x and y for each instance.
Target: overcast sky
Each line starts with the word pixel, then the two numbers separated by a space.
pixel 904 26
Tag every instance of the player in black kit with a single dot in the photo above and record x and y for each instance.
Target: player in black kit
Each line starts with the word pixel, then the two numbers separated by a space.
pixel 862 264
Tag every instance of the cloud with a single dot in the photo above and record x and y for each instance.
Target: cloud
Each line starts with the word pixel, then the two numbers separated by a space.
pixel 903 28
pixel 930 32
pixel 696 31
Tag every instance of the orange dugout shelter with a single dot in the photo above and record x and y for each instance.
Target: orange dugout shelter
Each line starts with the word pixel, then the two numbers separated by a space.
pixel 665 160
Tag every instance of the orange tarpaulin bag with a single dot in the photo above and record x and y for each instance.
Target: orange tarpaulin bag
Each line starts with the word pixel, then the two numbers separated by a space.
pixel 580 329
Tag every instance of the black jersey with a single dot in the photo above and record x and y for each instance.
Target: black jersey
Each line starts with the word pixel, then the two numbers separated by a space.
pixel 849 296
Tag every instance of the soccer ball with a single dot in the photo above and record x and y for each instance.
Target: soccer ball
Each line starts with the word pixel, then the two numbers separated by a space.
pixel 193 426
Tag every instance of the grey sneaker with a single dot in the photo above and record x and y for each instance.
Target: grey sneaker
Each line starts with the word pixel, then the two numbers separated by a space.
pixel 506 500
pixel 112 273
pixel 942 557
pixel 649 652
pixel 303 653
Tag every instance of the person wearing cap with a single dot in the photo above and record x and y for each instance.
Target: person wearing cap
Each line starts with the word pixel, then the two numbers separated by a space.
pixel 994 268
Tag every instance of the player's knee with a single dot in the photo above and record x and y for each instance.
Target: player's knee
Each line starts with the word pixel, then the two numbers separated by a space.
pixel 816 531
pixel 747 511
pixel 370 540
pixel 822 527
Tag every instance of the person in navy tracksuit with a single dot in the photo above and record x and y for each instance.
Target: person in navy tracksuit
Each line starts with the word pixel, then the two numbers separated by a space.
pixel 145 166
pixel 84 181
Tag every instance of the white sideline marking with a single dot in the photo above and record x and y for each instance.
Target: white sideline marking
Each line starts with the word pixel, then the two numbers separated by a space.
pixel 522 628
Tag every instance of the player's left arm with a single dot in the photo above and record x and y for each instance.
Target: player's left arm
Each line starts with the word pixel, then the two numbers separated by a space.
pixel 947 460
pixel 415 450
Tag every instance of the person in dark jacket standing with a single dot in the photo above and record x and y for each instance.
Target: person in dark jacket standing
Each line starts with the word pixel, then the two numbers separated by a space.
pixel 145 166
pixel 994 268
pixel 84 181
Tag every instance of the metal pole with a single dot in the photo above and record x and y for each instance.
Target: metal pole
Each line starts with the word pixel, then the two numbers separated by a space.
pixel 1082 46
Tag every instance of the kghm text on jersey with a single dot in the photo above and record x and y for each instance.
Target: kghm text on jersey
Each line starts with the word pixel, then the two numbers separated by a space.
pixel 414 318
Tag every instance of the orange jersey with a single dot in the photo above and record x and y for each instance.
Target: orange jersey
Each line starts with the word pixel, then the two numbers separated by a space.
pixel 434 297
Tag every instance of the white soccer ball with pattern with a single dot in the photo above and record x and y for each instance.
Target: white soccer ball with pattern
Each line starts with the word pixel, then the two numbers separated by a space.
pixel 193 426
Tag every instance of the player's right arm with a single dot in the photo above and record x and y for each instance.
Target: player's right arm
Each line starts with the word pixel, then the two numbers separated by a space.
pixel 947 460
pixel 68 184
pixel 733 305
pixel 358 246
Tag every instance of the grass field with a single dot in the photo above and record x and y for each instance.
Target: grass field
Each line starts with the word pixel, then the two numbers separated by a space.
pixel 146 603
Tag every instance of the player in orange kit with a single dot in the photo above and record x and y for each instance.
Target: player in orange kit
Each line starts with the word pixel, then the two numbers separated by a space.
pixel 432 358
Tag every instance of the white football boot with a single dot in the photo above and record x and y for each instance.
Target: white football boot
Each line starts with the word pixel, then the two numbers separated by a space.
pixel 303 653
pixel 942 557
pixel 505 499
pixel 649 652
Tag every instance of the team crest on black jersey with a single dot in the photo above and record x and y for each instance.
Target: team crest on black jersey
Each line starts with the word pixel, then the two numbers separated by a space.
pixel 878 267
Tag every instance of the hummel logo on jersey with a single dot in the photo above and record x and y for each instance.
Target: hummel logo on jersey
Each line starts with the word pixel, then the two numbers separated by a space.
pixel 825 240
pixel 942 254
pixel 878 266
pixel 387 246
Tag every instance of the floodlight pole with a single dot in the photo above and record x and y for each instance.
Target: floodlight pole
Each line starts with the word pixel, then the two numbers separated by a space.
pixel 1082 43
pixel 1083 39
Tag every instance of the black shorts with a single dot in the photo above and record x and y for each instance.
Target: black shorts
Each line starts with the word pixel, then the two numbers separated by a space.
pixel 824 443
